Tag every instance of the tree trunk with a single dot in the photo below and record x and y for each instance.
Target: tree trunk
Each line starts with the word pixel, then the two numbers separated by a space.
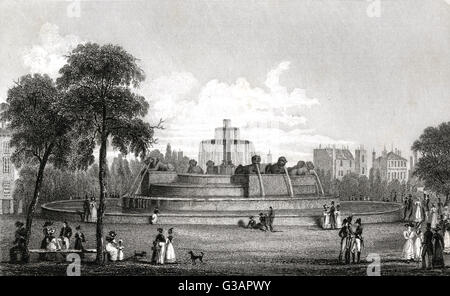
pixel 34 201
pixel 101 207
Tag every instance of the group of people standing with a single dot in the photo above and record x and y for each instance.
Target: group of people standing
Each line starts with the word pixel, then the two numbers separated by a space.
pixel 331 216
pixel 427 247
pixel 352 241
pixel 265 221
pixel 89 210
pixel 163 250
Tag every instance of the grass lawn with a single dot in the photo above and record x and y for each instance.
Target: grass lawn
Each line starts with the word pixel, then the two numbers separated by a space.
pixel 229 250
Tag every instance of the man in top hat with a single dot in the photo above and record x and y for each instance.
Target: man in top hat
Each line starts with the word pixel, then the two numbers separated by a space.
pixel 270 218
pixel 358 241
pixel 331 211
pixel 343 233
pixel 438 248
pixel 19 244
pixel 427 248
pixel 65 234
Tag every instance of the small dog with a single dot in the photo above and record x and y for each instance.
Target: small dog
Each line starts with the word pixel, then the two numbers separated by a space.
pixel 140 254
pixel 195 257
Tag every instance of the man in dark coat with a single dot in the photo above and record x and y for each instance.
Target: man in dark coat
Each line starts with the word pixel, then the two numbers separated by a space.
pixel 427 248
pixel 426 206
pixel 262 222
pixel 410 207
pixel 65 234
pixel 19 244
pixel 270 218
pixel 357 242
pixel 332 216
pixel 343 235
pixel 86 206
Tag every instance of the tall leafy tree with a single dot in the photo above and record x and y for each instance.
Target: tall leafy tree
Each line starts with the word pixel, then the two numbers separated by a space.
pixel 98 82
pixel 433 166
pixel 39 130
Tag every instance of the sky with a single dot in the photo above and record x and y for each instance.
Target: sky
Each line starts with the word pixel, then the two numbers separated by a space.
pixel 292 75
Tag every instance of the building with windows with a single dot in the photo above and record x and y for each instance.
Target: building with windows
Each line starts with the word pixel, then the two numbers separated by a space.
pixel 340 162
pixel 392 165
pixel 6 173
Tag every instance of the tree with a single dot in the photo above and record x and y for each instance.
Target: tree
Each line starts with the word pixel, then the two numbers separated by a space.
pixel 363 187
pixel 433 167
pixel 348 187
pixel 98 84
pixel 39 130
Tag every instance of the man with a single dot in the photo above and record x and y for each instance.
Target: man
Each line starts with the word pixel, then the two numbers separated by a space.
pixel 262 222
pixel 405 207
pixel 331 211
pixel 343 235
pixel 270 218
pixel 65 235
pixel 358 241
pixel 440 207
pixel 86 205
pixel 277 168
pixel 426 207
pixel 427 248
pixel 19 244
pixel 410 207
pixel 251 222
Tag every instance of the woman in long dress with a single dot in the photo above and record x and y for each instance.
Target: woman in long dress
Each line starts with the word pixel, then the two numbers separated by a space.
pixel 408 247
pixel 170 251
pixel 438 248
pixel 418 215
pixel 447 237
pixel 93 211
pixel 418 245
pixel 326 218
pixel 434 216
pixel 338 217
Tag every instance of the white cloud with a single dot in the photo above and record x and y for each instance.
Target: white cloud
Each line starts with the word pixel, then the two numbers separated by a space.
pixel 271 117
pixel 49 55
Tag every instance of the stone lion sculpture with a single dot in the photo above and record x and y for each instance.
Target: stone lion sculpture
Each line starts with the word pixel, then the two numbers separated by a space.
pixel 154 164
pixel 211 169
pixel 301 168
pixel 194 168
pixel 249 169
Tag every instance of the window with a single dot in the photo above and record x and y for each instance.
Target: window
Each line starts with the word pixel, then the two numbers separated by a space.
pixel 6 167
pixel 341 162
pixel 5 147
pixel 363 168
pixel 389 176
pixel 362 159
pixel 6 189
pixel 350 163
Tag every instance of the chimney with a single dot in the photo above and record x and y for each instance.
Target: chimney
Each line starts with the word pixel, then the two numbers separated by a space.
pixel 226 123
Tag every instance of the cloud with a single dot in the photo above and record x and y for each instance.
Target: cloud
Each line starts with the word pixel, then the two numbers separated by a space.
pixel 49 55
pixel 270 116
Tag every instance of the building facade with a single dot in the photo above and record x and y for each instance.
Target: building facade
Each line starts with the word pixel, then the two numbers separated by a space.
pixel 226 147
pixel 392 165
pixel 340 162
pixel 6 173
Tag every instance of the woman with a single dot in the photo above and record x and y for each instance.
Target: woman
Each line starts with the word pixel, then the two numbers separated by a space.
pixel 438 248
pixel 408 247
pixel 79 238
pixel 170 251
pixel 120 248
pixel 418 244
pixel 160 247
pixel 93 211
pixel 326 218
pixel 111 246
pixel 54 244
pixel 434 216
pixel 418 216
pixel 447 237
pixel 338 218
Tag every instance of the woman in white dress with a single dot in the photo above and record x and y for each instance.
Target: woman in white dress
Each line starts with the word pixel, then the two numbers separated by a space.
pixel 408 247
pixel 326 218
pixel 418 216
pixel 170 251
pixel 120 248
pixel 338 217
pixel 93 211
pixel 447 237
pixel 111 246
pixel 418 244
pixel 434 216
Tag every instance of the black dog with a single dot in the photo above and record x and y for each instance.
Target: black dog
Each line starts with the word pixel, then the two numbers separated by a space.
pixel 195 257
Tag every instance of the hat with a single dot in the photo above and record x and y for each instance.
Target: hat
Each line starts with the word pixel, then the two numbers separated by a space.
pixel 78 227
pixel 112 233
pixel 358 221
pixel 428 225
pixel 160 229
pixel 170 230
pixel 18 224
pixel 251 217
pixel 48 223
pixel 51 231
